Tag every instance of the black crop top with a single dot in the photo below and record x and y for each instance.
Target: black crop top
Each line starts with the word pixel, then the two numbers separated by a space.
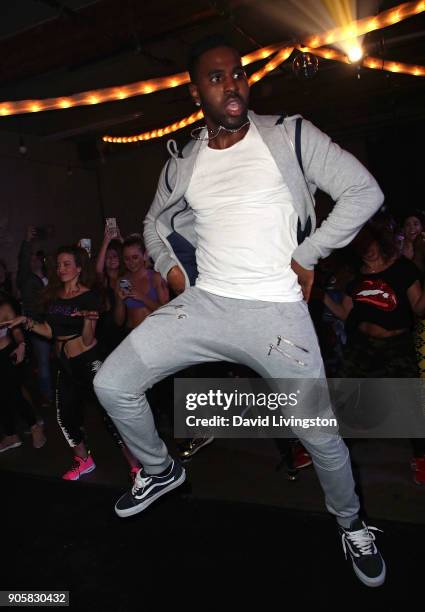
pixel 381 298
pixel 59 312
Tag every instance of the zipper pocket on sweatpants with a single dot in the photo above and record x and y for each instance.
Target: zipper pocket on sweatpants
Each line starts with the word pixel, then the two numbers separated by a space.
pixel 273 347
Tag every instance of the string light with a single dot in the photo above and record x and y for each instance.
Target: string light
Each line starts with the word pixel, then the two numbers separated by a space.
pixel 327 53
pixel 374 63
pixel 368 24
pixel 173 127
pixel 390 66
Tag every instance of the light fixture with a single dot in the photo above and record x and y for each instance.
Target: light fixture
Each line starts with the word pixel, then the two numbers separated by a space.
pixel 355 53
pixel 305 66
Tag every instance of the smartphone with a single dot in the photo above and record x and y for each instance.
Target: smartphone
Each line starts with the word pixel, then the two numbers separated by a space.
pixel 85 243
pixel 111 223
pixel 125 284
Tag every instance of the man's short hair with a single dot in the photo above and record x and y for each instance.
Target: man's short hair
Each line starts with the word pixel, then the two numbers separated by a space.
pixel 202 46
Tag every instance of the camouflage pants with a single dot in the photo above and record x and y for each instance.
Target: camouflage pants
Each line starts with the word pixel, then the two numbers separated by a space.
pixel 367 357
pixel 394 357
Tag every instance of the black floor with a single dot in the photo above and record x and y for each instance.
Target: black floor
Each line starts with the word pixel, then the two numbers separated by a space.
pixel 58 535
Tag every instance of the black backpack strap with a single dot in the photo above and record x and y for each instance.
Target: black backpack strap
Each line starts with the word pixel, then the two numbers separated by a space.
pixel 301 233
pixel 167 181
pixel 298 124
pixel 298 142
pixel 281 119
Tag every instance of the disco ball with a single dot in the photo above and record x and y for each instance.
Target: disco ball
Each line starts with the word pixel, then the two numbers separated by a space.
pixel 305 66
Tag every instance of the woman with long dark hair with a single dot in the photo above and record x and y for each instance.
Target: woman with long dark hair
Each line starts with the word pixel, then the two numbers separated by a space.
pixel 71 313
pixel 379 308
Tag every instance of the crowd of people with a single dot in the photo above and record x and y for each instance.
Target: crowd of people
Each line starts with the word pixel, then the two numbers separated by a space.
pixel 67 313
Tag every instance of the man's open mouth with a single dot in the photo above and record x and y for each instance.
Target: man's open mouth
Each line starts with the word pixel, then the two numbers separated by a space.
pixel 234 106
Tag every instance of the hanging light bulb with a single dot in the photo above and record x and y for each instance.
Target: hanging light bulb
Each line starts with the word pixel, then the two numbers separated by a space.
pixel 305 66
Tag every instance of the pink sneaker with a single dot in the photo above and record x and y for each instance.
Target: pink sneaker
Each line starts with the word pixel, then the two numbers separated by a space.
pixel 418 467
pixel 301 458
pixel 79 468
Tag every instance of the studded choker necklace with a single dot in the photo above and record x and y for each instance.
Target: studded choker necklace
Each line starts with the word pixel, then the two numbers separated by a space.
pixel 211 135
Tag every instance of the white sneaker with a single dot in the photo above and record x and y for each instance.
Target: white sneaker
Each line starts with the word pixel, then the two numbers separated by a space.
pixel 359 542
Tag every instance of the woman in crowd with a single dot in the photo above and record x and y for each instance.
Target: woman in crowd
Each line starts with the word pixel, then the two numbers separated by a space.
pixel 109 267
pixel 71 313
pixel 378 308
pixel 12 355
pixel 31 280
pixel 413 228
pixel 414 249
pixel 141 291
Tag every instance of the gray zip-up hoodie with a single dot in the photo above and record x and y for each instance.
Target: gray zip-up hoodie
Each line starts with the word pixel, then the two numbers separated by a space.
pixel 169 232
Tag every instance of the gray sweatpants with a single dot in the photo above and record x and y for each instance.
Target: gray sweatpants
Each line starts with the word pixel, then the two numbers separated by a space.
pixel 197 327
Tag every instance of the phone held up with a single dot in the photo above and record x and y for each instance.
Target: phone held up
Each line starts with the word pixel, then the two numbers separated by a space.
pixel 85 243
pixel 125 284
pixel 111 223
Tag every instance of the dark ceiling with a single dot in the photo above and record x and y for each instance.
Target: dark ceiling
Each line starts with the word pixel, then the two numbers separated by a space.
pixel 51 48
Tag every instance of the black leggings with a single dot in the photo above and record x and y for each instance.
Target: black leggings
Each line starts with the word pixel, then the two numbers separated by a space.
pixel 13 402
pixel 74 384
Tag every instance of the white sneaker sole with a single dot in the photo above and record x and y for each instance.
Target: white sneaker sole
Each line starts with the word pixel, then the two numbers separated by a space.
pixel 15 445
pixel 371 582
pixel 144 504
pixel 86 471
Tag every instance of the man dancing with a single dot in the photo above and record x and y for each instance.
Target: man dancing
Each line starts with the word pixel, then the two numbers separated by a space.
pixel 240 200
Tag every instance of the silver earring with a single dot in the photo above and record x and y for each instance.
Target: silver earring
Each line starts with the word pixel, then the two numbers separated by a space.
pixel 197 104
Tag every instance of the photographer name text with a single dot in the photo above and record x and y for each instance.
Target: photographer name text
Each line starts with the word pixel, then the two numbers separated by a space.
pixel 272 420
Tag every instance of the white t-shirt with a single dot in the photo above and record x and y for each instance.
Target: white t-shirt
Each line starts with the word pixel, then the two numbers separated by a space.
pixel 245 223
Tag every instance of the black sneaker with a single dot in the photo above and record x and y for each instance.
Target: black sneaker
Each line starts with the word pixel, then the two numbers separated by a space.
pixel 190 447
pixel 368 564
pixel 147 489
